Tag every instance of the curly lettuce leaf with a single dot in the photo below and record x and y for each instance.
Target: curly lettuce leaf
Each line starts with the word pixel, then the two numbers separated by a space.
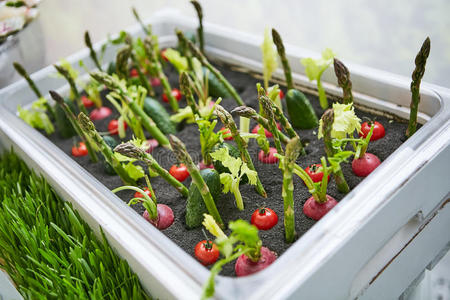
pixel 210 224
pixel 175 58
pixel 345 121
pixel 36 116
pixel 134 171
pixel 314 68
pixel 269 54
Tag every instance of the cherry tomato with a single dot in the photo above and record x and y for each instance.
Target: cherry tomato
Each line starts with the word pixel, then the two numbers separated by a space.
pixel 267 132
pixel 113 126
pixel 378 130
pixel 100 113
pixel 79 150
pixel 175 92
pixel 180 172
pixel 228 132
pixel 134 73
pixel 206 252
pixel 264 218
pixel 155 81
pixel 163 54
pixel 139 195
pixel 281 94
pixel 314 173
pixel 86 101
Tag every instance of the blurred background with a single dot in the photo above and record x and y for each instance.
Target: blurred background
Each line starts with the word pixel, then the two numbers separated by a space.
pixel 381 34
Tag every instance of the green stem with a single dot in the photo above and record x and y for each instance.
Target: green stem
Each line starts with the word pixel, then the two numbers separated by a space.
pixel 182 42
pixel 148 203
pixel 73 121
pixel 282 53
pixel 198 9
pixel 179 149
pixel 322 96
pixel 421 60
pixel 229 123
pixel 237 195
pixel 142 78
pixel 138 18
pixel 195 52
pixel 92 53
pixel 268 112
pixel 185 86
pixel 73 87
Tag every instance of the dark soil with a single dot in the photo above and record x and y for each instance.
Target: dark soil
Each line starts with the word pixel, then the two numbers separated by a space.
pixel 270 175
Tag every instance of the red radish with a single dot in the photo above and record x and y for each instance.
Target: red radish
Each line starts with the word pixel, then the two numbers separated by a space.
pixel 378 130
pixel 180 172
pixel 155 81
pixel 175 92
pixel 86 101
pixel 134 73
pixel 79 150
pixel 365 165
pixel 113 126
pixel 139 195
pixel 245 266
pixel 206 252
pixel 100 113
pixel 163 54
pixel 314 173
pixel 264 218
pixel 211 104
pixel 201 165
pixel 316 210
pixel 153 143
pixel 269 158
pixel 227 133
pixel 165 216
pixel 267 132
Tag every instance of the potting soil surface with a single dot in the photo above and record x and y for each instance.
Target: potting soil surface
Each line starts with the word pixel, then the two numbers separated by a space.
pixel 270 175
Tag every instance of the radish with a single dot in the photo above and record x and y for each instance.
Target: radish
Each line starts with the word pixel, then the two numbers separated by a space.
pixel 100 113
pixel 152 143
pixel 268 158
pixel 245 266
pixel 267 132
pixel 364 165
pixel 316 210
pixel 155 81
pixel 201 165
pixel 165 216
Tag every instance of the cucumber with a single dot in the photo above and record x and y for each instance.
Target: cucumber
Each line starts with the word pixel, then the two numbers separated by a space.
pixel 300 111
pixel 111 68
pixel 62 123
pixel 112 143
pixel 159 114
pixel 234 152
pixel 195 206
pixel 215 87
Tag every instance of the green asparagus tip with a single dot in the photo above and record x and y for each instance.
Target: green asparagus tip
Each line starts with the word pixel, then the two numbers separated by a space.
pixel 85 122
pixel 244 111
pixel 198 8
pixel 87 39
pixel 341 71
pixel 20 69
pixel 185 84
pixel 195 51
pixel 57 97
pixel 277 41
pixel 129 150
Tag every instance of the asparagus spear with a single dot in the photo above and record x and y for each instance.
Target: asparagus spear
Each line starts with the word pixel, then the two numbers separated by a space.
pixel 282 53
pixel 228 121
pixel 92 53
pixel 73 120
pixel 421 60
pixel 147 122
pixel 287 165
pixel 343 76
pixel 73 87
pixel 185 86
pixel 130 150
pixel 142 78
pixel 122 57
pixel 151 53
pixel 195 52
pixel 21 70
pixel 182 42
pixel 138 18
pixel 268 112
pixel 327 126
pixel 248 112
pixel 198 9
pixel 179 149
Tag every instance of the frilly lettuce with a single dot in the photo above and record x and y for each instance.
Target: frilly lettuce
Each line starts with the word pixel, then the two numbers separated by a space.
pixel 345 122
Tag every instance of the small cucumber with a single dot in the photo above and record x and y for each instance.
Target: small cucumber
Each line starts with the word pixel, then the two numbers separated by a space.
pixel 159 114
pixel 111 68
pixel 300 111
pixel 234 152
pixel 112 143
pixel 195 207
pixel 215 87
pixel 62 123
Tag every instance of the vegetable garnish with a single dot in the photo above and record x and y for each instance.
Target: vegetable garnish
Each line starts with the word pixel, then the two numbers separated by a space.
pixel 378 130
pixel 238 169
pixel 264 218
pixel 79 150
pixel 314 69
pixel 180 172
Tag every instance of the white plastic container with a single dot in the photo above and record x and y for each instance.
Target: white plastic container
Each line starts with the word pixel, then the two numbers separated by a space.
pixel 379 238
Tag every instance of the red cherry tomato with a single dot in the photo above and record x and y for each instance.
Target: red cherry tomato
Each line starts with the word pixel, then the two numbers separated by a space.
pixel 180 172
pixel 226 131
pixel 79 150
pixel 163 54
pixel 100 113
pixel 206 252
pixel 378 130
pixel 314 173
pixel 267 132
pixel 86 101
pixel 113 126
pixel 134 73
pixel 139 195
pixel 281 94
pixel 175 92
pixel 264 218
